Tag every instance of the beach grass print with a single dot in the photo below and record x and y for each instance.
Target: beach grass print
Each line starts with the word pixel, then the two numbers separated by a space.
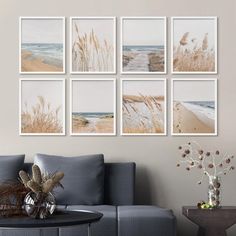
pixel 42 107
pixel 93 45
pixel 143 107
pixel 93 107
pixel 194 45
pixel 194 107
pixel 42 45
pixel 143 48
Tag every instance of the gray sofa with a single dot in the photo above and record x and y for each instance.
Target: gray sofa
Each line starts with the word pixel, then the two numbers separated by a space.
pixel 121 217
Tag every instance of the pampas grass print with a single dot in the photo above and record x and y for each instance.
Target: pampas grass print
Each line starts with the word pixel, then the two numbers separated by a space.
pixel 90 54
pixel 141 122
pixel 192 56
pixel 40 118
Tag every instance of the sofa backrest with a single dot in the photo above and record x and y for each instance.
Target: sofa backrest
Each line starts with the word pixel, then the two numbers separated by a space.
pixel 119 183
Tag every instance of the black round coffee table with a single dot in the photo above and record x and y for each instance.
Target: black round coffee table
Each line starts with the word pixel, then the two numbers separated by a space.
pixel 59 219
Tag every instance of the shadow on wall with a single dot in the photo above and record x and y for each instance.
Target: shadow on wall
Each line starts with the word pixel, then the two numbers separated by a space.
pixel 143 193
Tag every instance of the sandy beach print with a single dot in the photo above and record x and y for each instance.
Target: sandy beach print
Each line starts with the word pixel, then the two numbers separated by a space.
pixel 194 113
pixel 143 48
pixel 42 45
pixel 93 107
pixel 143 107
pixel 194 45
pixel 92 122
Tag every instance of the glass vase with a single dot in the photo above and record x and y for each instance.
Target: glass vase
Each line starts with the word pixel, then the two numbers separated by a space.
pixel 39 205
pixel 214 191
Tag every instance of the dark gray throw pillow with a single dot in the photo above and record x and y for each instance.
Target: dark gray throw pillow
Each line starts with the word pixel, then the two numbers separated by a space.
pixel 83 181
pixel 10 167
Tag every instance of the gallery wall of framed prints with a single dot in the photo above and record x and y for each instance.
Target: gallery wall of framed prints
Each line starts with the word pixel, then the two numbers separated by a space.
pixel 118 88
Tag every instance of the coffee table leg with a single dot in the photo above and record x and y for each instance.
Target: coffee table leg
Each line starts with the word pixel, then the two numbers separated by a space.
pixel 89 229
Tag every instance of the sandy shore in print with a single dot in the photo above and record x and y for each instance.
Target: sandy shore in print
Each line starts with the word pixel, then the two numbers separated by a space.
pixel 143 114
pixel 92 123
pixel 30 63
pixel 186 120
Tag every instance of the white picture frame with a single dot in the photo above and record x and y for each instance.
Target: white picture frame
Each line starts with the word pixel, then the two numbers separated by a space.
pixel 215 95
pixel 164 133
pixel 165 44
pixel 47 104
pixel 199 39
pixel 113 19
pixel 32 71
pixel 97 80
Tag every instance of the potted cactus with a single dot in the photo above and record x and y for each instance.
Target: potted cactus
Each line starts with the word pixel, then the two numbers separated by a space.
pixel 39 203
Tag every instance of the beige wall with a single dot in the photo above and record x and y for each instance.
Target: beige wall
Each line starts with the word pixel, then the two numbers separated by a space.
pixel 159 181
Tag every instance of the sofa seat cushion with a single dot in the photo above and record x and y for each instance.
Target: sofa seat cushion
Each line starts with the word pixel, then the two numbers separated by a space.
pixel 10 167
pixel 105 227
pixel 145 220
pixel 83 181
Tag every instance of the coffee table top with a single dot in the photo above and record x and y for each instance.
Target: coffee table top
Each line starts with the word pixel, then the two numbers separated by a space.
pixel 58 219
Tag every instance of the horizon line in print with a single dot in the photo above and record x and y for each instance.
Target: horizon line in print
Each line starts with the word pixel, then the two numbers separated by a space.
pixel 143 107
pixel 93 107
pixel 142 50
pixel 194 45
pixel 93 45
pixel 42 42
pixel 198 114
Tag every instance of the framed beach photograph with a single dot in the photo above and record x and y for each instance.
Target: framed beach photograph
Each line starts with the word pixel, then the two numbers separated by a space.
pixel 93 106
pixel 194 45
pixel 194 107
pixel 143 45
pixel 42 106
pixel 93 45
pixel 42 45
pixel 143 106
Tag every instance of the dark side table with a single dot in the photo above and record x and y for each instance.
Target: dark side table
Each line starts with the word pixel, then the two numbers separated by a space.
pixel 211 222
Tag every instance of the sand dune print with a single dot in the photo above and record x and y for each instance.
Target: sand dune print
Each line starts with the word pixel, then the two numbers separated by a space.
pixel 197 114
pixel 143 48
pixel 142 111
pixel 42 45
pixel 93 109
pixel 194 45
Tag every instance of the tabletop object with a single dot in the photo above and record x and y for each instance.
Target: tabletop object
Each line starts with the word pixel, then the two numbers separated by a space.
pixel 211 222
pixel 59 219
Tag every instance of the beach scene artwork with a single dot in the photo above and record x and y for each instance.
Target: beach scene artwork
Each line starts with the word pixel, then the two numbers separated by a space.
pixel 42 107
pixel 143 107
pixel 93 107
pixel 93 45
pixel 194 45
pixel 143 45
pixel 194 107
pixel 42 45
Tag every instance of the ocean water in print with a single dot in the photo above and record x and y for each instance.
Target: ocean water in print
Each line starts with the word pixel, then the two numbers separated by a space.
pixel 206 108
pixel 50 53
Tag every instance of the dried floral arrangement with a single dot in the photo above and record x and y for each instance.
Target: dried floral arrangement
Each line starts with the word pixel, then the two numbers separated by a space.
pixel 12 197
pixel 39 182
pixel 211 163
